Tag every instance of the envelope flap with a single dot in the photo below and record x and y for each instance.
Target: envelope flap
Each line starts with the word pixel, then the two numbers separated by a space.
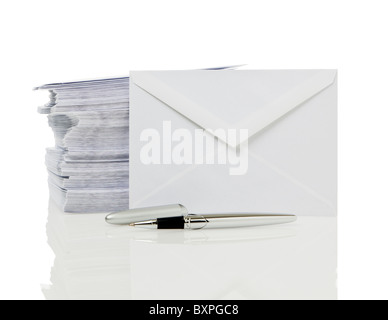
pixel 233 99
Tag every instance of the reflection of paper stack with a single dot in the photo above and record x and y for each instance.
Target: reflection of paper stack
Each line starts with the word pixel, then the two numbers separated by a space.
pixel 87 265
pixel 88 168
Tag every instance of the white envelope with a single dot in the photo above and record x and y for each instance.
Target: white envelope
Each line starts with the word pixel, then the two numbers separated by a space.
pixel 291 120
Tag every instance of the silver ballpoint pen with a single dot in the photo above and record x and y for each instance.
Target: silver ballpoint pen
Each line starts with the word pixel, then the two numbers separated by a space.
pixel 177 217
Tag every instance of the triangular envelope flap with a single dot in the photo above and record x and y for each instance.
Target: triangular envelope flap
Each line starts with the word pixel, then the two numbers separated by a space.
pixel 233 99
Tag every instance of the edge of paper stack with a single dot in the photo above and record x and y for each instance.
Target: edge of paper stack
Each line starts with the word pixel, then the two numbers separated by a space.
pixel 88 168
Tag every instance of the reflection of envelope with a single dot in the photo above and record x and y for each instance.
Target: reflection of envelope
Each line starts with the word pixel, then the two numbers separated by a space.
pixel 291 118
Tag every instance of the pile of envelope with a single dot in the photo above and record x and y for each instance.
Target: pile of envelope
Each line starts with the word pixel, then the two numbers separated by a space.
pixel 219 140
pixel 88 167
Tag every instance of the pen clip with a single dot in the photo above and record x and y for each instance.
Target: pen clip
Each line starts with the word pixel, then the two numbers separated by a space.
pixel 195 221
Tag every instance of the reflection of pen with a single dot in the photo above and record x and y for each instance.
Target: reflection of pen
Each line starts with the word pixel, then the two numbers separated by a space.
pixel 176 217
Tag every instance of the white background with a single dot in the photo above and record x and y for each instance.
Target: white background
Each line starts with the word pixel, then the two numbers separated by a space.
pixel 49 41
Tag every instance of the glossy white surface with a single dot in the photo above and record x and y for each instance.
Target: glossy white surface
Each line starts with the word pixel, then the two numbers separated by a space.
pixel 94 260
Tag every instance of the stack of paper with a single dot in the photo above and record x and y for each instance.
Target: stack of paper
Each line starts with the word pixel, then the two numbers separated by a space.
pixel 88 167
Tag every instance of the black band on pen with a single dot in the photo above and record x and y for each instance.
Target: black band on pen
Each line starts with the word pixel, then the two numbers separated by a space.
pixel 171 223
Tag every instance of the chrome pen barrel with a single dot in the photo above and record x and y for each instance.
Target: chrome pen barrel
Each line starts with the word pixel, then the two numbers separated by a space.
pixel 235 220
